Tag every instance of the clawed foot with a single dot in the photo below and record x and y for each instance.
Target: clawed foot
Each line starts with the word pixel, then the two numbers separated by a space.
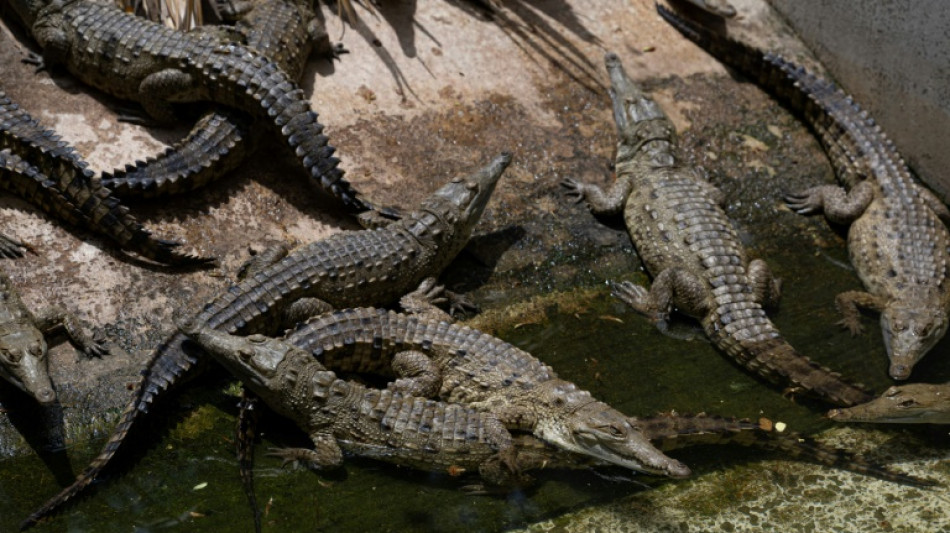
pixel 806 202
pixel 97 348
pixel 295 457
pixel 338 50
pixel 11 248
pixel 459 304
pixel 575 190
pixel 852 324
pixel 638 298
pixel 35 59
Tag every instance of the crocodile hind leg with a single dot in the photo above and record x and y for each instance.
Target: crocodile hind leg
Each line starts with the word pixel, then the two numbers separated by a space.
pixel 848 304
pixel 425 299
pixel 158 89
pixel 839 206
pixel 11 248
pixel 939 208
pixel 325 454
pixel 53 317
pixel 766 287
pixel 671 287
pixel 417 374
pixel 261 260
pixel 305 308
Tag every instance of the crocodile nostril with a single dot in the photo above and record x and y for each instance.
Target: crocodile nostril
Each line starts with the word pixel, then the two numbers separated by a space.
pixel 45 396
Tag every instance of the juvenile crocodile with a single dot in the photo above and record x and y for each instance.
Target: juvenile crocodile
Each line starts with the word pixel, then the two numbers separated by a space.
pixel 457 364
pixel 687 242
pixel 371 267
pixel 133 58
pixel 897 242
pixel 39 167
pixel 23 350
pixel 908 403
pixel 286 31
pixel 341 415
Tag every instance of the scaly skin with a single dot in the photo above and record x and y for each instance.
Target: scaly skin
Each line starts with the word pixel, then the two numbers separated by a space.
pixel 371 267
pixel 461 365
pixel 687 242
pixel 343 416
pixel 898 244
pixel 23 350
pixel 286 31
pixel 671 431
pixel 48 173
pixel 133 58
pixel 909 403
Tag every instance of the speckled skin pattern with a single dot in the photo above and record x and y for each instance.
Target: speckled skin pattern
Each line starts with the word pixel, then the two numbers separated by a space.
pixel 284 31
pixel 908 403
pixel 687 242
pixel 23 351
pixel 898 241
pixel 370 267
pixel 457 364
pixel 341 415
pixel 39 167
pixel 136 59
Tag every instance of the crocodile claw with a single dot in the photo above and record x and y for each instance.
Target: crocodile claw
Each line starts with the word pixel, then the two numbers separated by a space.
pixel 35 59
pixel 804 203
pixel 575 190
pixel 11 248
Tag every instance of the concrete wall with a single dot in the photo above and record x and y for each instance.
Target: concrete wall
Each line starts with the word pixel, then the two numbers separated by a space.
pixel 893 56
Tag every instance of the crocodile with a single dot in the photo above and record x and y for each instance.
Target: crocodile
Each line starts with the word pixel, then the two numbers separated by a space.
pixel 344 416
pixel 457 364
pixel 687 242
pixel 23 350
pixel 39 167
pixel 370 267
pixel 135 59
pixel 897 239
pixel 907 403
pixel 286 31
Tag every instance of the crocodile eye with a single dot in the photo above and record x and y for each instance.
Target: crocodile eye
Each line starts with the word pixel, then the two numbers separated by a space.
pixel 36 350
pixel 471 185
pixel 10 357
pixel 907 403
pixel 257 339
pixel 246 353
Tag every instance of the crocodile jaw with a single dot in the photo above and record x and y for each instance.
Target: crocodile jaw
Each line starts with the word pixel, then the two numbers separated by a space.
pixel 24 363
pixel 914 403
pixel 909 334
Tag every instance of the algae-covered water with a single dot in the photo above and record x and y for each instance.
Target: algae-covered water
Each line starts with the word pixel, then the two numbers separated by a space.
pixel 185 476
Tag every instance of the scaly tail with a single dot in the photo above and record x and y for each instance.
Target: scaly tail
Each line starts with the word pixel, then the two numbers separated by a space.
pixel 671 431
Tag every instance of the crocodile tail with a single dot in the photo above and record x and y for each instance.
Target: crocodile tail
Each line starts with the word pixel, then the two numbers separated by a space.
pixel 844 129
pixel 164 369
pixel 217 144
pixel 672 431
pixel 267 87
pixel 779 363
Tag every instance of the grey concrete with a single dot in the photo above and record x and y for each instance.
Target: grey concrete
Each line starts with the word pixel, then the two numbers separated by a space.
pixel 893 56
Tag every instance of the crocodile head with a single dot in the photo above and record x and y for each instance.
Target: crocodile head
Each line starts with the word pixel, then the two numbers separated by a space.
pixel 571 419
pixel 913 403
pixel 264 364
pixel 909 334
pixel 643 129
pixel 450 214
pixel 24 362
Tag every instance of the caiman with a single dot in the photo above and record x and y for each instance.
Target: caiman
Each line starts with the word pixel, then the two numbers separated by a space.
pixel 908 403
pixel 24 360
pixel 371 267
pixel 456 364
pixel 897 239
pixel 39 167
pixel 286 31
pixel 135 59
pixel 687 242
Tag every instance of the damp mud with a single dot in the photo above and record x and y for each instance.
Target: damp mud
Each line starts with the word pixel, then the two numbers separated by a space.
pixel 406 114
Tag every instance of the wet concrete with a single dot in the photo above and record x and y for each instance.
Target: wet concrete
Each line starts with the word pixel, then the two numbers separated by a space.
pixel 405 115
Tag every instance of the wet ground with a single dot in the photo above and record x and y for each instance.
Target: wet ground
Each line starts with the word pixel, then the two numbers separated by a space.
pixel 406 114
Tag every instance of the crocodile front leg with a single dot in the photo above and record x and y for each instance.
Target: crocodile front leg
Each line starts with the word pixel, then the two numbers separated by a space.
pixel 260 261
pixel 839 206
pixel 50 318
pixel 11 248
pixel 672 287
pixel 417 374
pixel 939 208
pixel 848 304
pixel 610 202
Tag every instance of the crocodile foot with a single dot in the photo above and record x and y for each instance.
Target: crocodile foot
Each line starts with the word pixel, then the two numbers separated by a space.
pixel 852 324
pixel 11 248
pixel 575 190
pixel 806 202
